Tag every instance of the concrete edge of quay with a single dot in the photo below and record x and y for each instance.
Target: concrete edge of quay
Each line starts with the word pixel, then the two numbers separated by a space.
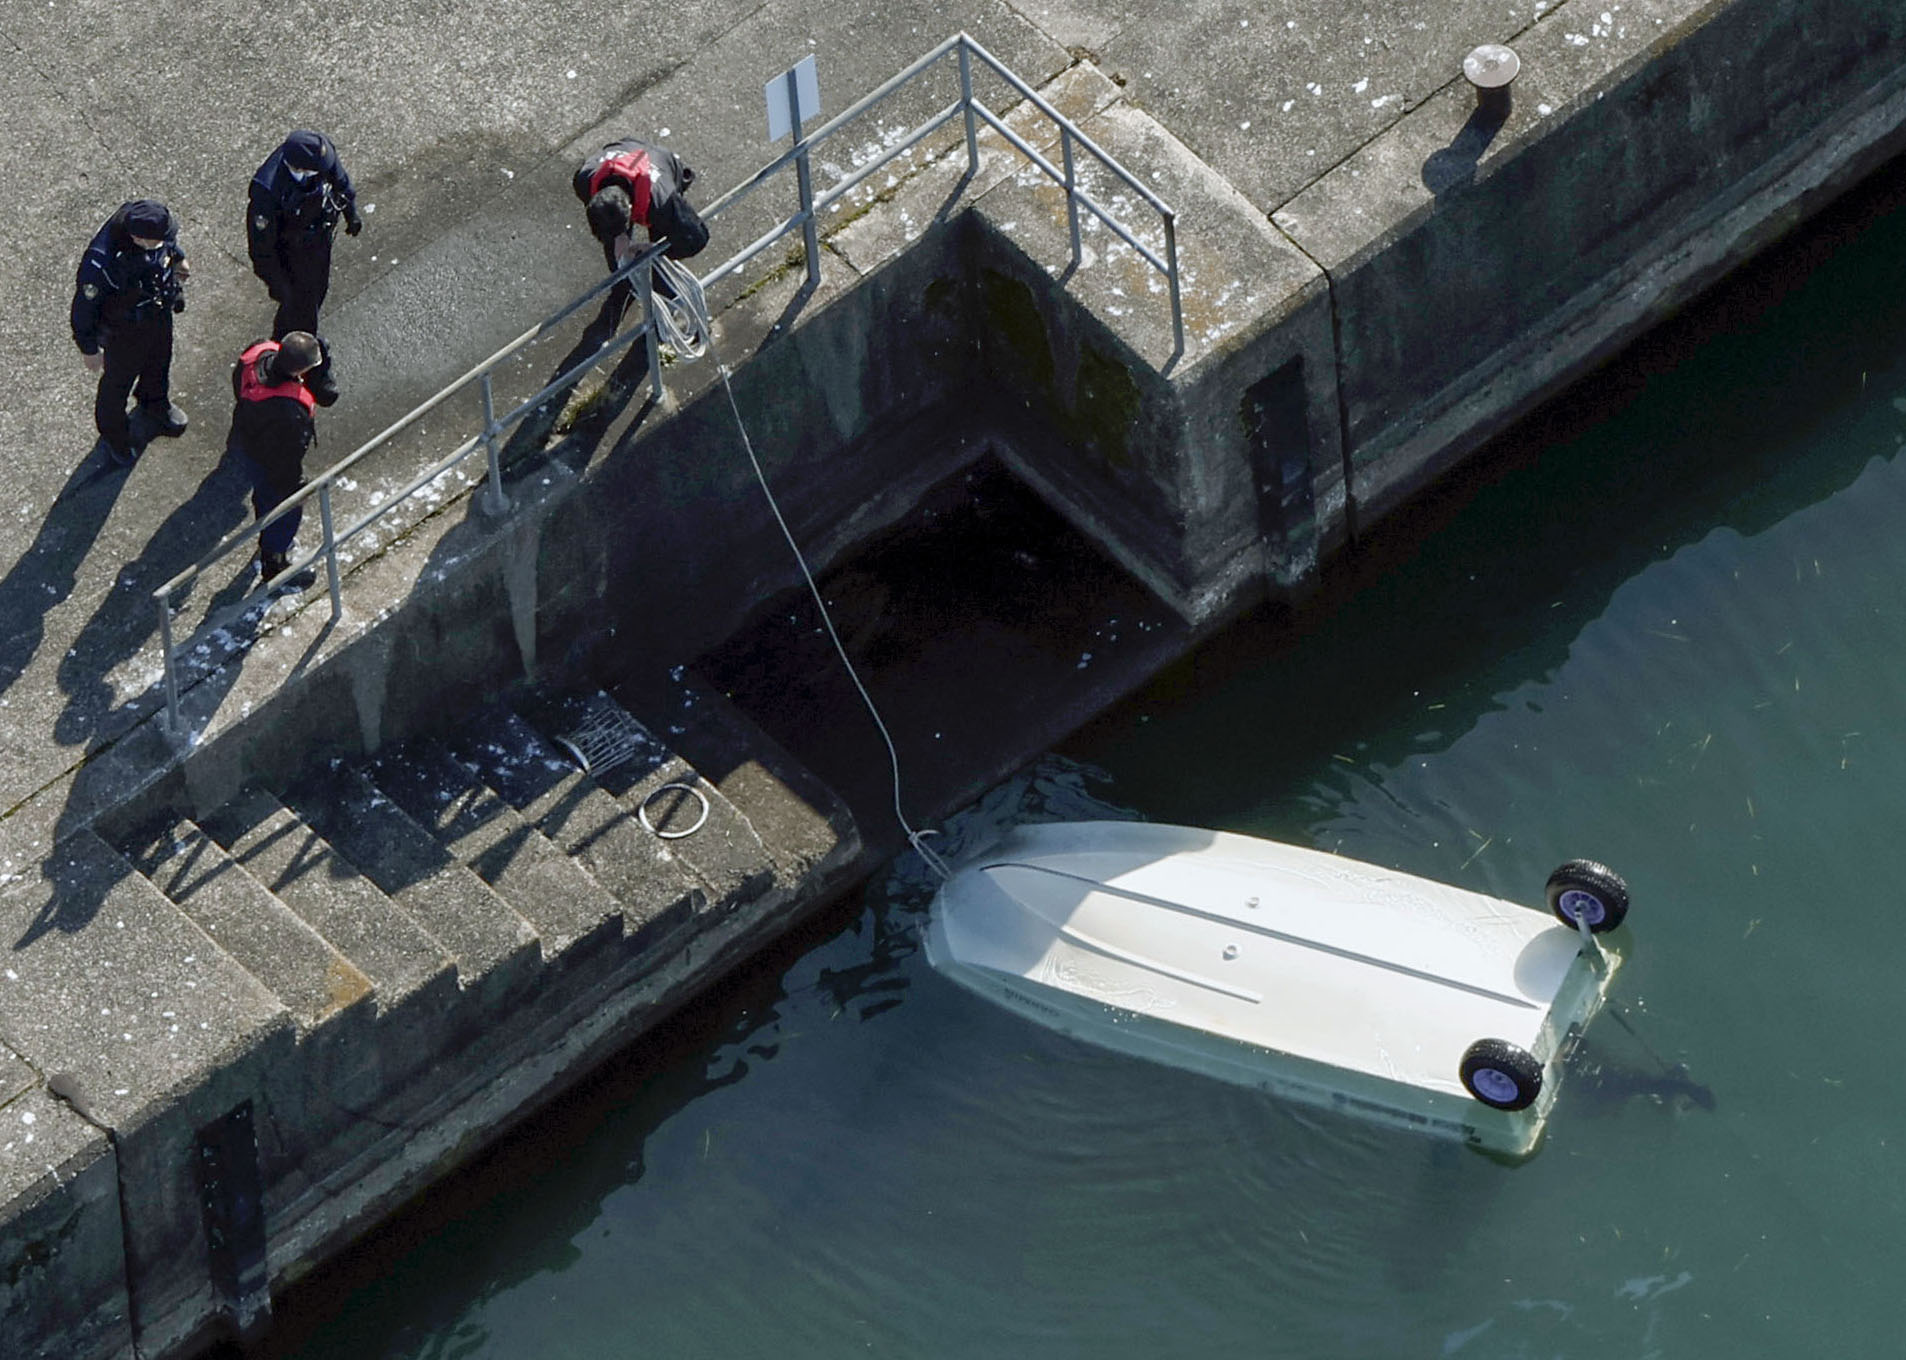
pixel 1346 351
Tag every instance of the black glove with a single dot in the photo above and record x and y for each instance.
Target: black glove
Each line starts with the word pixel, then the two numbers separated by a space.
pixel 353 224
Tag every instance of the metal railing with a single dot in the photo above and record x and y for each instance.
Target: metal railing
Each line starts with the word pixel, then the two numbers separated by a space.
pixel 640 271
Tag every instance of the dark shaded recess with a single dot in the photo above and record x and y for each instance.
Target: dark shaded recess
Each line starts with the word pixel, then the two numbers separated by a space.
pixel 968 622
pixel 1596 482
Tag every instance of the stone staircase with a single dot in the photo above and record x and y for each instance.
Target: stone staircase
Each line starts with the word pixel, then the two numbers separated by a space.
pixel 416 934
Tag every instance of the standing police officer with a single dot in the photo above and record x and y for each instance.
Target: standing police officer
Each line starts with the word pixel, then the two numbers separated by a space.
pixel 630 184
pixel 272 430
pixel 131 280
pixel 297 197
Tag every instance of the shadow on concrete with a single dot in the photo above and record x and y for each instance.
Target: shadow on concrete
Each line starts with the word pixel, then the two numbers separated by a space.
pixel 126 618
pixel 784 323
pixel 75 890
pixel 117 631
pixel 534 433
pixel 45 573
pixel 1455 165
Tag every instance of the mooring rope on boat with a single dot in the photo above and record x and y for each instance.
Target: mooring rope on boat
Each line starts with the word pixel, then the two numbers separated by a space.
pixel 688 291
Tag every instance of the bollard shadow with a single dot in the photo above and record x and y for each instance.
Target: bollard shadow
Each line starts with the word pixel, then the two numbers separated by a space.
pixel 1454 166
pixel 43 576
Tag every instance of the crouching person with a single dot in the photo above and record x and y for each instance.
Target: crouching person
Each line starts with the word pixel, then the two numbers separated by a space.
pixel 272 430
pixel 630 186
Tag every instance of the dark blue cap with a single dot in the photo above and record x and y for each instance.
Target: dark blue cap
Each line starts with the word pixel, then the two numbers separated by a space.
pixel 304 150
pixel 147 218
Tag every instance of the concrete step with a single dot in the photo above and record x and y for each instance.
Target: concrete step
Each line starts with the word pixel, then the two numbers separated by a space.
pixel 554 893
pixel 110 981
pixel 805 826
pixel 493 946
pixel 659 894
pixel 671 803
pixel 301 868
pixel 294 962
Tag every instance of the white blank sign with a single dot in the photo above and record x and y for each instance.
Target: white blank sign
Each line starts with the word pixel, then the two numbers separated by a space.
pixel 782 94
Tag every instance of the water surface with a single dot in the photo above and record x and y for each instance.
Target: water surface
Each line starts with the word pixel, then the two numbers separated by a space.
pixel 1671 640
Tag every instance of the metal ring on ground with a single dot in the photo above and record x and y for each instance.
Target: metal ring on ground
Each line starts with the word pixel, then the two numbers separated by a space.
pixel 642 812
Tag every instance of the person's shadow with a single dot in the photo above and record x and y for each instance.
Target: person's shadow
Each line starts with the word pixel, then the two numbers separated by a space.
pixel 1455 165
pixel 536 432
pixel 127 618
pixel 44 575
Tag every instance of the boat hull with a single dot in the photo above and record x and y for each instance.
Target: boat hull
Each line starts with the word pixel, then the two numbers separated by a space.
pixel 1312 977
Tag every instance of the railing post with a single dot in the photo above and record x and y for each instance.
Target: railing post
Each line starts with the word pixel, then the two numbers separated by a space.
pixel 1072 196
pixel 494 501
pixel 804 181
pixel 650 336
pixel 1177 305
pixel 966 102
pixel 173 721
pixel 330 552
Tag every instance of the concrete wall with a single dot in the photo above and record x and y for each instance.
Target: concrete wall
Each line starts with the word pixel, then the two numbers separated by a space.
pixel 63 1284
pixel 1581 227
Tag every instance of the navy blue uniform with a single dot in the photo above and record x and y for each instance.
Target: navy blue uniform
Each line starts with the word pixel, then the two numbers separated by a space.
pixel 123 301
pixel 297 198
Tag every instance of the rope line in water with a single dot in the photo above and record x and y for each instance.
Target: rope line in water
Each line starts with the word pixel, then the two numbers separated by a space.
pixel 690 293
pixel 914 838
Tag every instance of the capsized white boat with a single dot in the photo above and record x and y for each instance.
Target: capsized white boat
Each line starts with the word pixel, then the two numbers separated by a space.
pixel 1306 974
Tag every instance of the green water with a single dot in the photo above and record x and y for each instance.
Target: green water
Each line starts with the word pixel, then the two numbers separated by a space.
pixel 1670 640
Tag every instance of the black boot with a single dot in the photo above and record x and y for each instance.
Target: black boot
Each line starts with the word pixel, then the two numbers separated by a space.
pixel 163 418
pixel 118 457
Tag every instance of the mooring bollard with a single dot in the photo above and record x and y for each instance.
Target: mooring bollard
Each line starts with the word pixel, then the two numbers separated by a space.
pixel 1491 68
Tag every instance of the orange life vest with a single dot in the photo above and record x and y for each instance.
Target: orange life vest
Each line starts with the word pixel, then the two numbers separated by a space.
pixel 632 168
pixel 252 388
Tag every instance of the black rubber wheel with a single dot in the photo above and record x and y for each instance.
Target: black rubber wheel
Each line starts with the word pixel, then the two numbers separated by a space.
pixel 1500 1074
pixel 1589 891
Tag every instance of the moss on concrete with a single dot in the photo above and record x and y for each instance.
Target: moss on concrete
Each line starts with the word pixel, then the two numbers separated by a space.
pixel 1013 315
pixel 1107 408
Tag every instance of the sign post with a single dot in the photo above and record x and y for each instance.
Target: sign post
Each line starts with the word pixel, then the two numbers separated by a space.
pixel 793 97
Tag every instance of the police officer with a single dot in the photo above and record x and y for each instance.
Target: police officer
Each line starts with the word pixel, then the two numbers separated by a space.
pixel 131 280
pixel 273 427
pixel 297 197
pixel 630 184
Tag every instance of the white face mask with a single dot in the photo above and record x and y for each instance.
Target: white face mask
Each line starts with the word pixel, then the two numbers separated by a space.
pixel 147 244
pixel 302 176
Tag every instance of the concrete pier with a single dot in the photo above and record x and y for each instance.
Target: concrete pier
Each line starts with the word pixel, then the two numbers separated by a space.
pixel 266 983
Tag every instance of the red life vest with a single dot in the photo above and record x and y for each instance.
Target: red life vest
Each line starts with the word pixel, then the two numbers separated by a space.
pixel 632 168
pixel 252 388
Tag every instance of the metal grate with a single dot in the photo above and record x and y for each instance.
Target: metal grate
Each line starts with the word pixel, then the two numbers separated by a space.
pixel 604 737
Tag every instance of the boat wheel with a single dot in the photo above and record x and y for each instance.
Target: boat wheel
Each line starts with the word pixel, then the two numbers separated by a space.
pixel 1583 892
pixel 1502 1075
